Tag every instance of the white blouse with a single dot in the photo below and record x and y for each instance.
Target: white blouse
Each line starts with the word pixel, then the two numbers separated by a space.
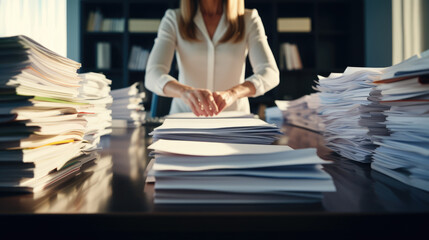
pixel 208 63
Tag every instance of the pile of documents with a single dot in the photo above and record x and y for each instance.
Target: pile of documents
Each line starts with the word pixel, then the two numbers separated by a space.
pixel 195 172
pixel 403 153
pixel 223 114
pixel 218 129
pixel 127 107
pixel 42 126
pixel 342 98
pixel 303 112
pixel 95 90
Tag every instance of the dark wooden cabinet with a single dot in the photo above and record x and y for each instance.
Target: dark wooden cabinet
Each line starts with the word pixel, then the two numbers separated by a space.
pixel 336 40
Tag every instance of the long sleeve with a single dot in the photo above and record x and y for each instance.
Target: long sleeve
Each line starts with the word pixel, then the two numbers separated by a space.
pixel 161 56
pixel 265 72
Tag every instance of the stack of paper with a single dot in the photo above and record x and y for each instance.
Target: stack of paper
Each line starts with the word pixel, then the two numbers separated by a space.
pixel 403 154
pixel 223 114
pixel 228 130
pixel 41 123
pixel 303 112
pixel 214 173
pixel 127 107
pixel 95 89
pixel 342 97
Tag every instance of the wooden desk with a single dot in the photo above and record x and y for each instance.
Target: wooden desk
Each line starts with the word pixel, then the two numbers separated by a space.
pixel 115 200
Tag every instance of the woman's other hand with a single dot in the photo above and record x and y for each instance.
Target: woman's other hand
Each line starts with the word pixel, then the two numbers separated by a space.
pixel 201 101
pixel 224 99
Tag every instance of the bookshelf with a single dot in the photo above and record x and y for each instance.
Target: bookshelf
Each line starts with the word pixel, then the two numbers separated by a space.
pixel 335 41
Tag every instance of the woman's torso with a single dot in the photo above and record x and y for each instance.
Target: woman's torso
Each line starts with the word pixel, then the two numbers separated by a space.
pixel 210 64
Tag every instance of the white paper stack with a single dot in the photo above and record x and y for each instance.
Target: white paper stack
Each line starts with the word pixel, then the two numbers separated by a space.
pixel 190 172
pixel 303 112
pixel 95 89
pixel 342 97
pixel 223 114
pixel 41 125
pixel 404 153
pixel 127 107
pixel 228 130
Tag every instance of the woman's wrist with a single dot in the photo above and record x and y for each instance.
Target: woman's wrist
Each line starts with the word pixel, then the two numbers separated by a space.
pixel 175 89
pixel 233 93
pixel 184 89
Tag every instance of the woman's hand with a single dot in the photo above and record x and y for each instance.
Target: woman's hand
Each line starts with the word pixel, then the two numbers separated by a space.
pixel 201 101
pixel 224 99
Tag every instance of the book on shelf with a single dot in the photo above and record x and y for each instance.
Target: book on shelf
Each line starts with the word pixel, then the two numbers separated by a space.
pixel 112 25
pixel 138 58
pixel 143 25
pixel 299 24
pixel 290 58
pixel 103 60
pixel 97 23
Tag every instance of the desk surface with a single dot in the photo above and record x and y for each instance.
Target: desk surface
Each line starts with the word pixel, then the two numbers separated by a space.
pixel 117 197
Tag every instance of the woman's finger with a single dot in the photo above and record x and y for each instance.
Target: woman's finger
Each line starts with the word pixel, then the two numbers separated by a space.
pixel 194 108
pixel 212 105
pixel 198 101
pixel 193 103
pixel 219 101
pixel 222 105
pixel 203 102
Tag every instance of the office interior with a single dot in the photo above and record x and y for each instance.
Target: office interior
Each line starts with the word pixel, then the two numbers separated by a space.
pixel 343 33
pixel 351 33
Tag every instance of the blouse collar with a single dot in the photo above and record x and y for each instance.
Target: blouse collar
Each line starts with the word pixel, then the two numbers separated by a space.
pixel 220 29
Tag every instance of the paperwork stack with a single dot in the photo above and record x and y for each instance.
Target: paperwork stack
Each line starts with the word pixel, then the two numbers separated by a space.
pixel 95 89
pixel 303 112
pixel 342 97
pixel 227 130
pixel 127 107
pixel 41 126
pixel 223 114
pixel 189 172
pixel 403 153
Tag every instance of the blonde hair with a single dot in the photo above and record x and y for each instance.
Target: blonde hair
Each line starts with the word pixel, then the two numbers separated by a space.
pixel 234 10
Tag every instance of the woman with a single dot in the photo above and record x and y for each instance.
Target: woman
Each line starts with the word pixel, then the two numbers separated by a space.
pixel 211 39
